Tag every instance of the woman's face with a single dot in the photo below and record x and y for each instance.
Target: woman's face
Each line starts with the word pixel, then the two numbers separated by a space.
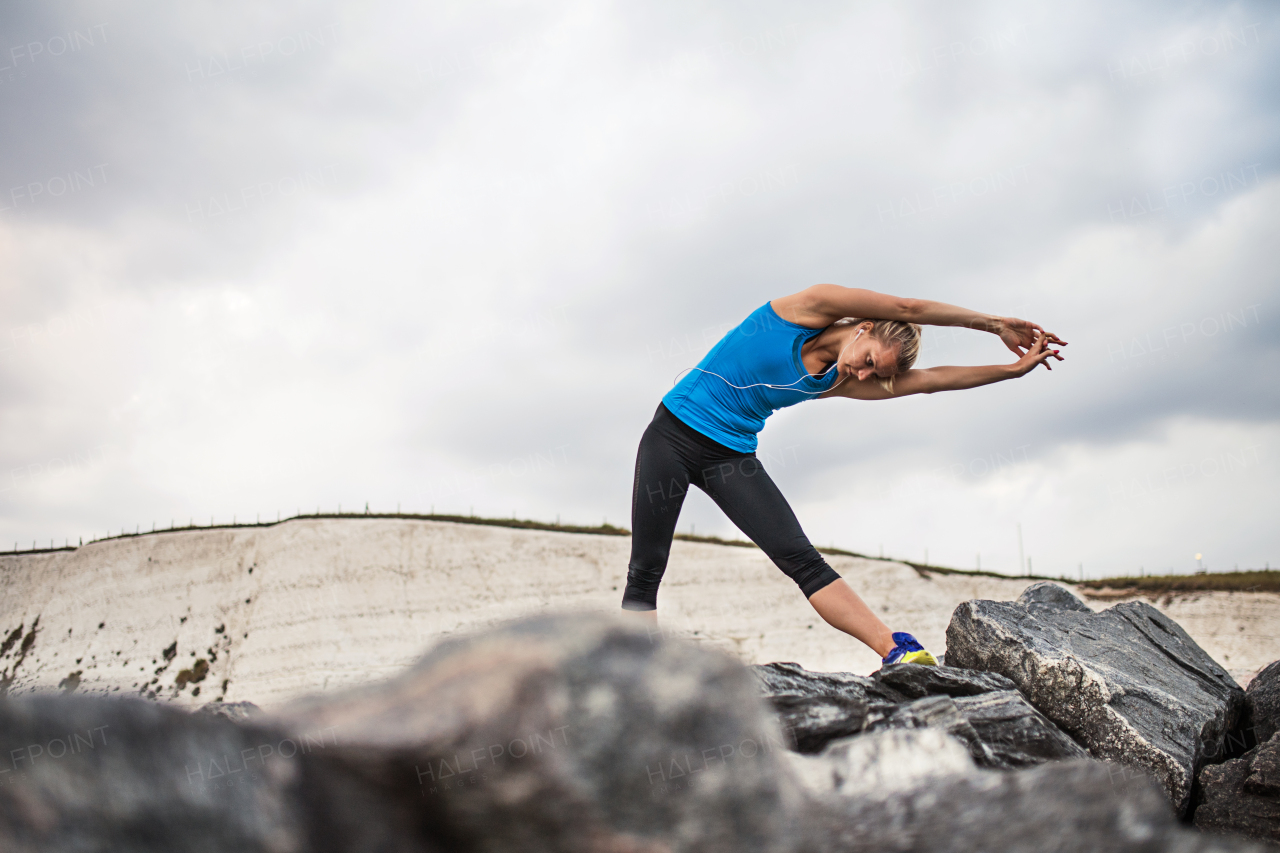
pixel 867 357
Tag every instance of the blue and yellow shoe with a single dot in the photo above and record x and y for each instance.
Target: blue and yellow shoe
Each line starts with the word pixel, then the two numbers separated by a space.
pixel 909 650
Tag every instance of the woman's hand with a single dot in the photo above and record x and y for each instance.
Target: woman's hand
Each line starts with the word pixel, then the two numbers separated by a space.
pixel 1037 353
pixel 1020 335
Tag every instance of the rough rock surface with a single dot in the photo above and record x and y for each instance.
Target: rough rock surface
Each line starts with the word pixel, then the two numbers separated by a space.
pixel 96 774
pixel 235 711
pixel 915 681
pixel 980 709
pixel 810 722
pixel 1242 795
pixel 883 764
pixel 814 708
pixel 571 733
pixel 791 679
pixel 917 790
pixel 1053 596
pixel 1055 808
pixel 1126 682
pixel 1262 703
pixel 1013 732
pixel 1001 730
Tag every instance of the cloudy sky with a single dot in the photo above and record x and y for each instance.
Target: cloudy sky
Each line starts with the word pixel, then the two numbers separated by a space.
pixel 449 256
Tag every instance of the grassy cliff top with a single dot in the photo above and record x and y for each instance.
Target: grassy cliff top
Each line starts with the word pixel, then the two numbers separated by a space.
pixel 1259 580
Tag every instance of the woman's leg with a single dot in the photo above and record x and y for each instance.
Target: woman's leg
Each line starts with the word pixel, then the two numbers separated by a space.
pixel 657 494
pixel 842 608
pixel 748 496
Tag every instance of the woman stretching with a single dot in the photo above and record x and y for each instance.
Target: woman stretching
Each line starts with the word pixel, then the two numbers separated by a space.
pixel 791 350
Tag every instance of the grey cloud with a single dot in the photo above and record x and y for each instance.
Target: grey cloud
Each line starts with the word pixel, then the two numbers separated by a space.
pixel 482 239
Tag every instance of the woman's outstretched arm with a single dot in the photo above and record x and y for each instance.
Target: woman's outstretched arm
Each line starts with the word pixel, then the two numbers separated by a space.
pixel 947 377
pixel 823 304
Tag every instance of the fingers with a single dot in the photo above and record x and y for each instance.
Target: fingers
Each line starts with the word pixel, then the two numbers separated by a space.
pixel 1055 339
pixel 1037 329
pixel 1047 354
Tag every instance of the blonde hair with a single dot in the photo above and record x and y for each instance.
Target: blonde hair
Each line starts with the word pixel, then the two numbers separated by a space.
pixel 906 336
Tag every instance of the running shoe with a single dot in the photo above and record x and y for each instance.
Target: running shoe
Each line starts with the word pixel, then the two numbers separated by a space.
pixel 909 650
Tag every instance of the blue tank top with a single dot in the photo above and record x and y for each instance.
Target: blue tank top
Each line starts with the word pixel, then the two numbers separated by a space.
pixel 762 348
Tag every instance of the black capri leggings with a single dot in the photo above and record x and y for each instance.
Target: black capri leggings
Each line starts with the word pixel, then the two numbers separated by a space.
pixel 674 455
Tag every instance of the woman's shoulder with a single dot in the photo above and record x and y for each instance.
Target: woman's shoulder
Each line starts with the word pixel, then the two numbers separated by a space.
pixel 802 309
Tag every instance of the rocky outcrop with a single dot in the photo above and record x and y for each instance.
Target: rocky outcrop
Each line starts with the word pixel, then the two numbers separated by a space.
pixel 917 790
pixel 572 733
pixel 980 709
pixel 94 774
pixel 1055 808
pixel 1127 682
pixel 1262 704
pixel 1242 795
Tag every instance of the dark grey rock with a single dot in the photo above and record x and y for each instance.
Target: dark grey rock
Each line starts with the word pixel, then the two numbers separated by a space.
pixel 884 764
pixel 810 722
pixel 236 712
pixel 1052 595
pixel 1064 807
pixel 915 681
pixel 1262 703
pixel 791 679
pixel 1264 769
pixel 1001 730
pixel 1014 732
pixel 89 773
pixel 1127 682
pixel 571 733
pixel 814 708
pixel 936 712
pixel 1240 795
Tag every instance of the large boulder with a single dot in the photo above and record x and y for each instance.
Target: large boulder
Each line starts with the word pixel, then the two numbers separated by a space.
pixel 570 733
pixel 554 734
pixel 1127 682
pixel 1064 807
pixel 917 791
pixel 575 733
pixel 982 710
pixel 1242 795
pixel 1262 704
pixel 84 773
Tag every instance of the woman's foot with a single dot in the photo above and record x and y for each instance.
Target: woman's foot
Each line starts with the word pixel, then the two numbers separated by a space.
pixel 909 650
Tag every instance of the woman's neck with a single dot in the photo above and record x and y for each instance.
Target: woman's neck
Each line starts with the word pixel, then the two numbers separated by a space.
pixel 821 351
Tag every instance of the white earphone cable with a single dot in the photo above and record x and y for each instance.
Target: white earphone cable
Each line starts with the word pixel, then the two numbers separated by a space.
pixel 788 386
